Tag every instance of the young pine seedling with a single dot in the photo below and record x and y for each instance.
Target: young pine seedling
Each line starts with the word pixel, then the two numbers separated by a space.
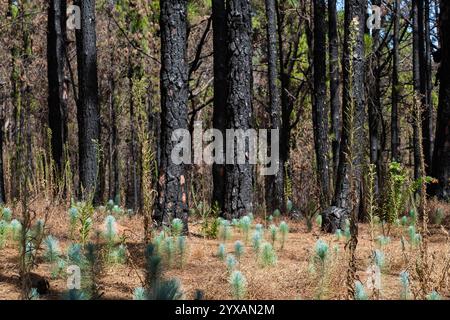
pixel 284 231
pixel 238 285
pixel 238 250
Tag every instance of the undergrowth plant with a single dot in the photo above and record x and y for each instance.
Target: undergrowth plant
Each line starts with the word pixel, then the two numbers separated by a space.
pixel 360 292
pixel 15 229
pixel 320 266
pixel 224 230
pixel 284 231
pixel 245 225
pixel 3 233
pixel 73 219
pixel 256 241
pixel 267 256
pixel 238 250
pixel 405 291
pixel 6 214
pixel 238 285
pixel 155 287
pixel 231 262
pixel 221 252
pixel 52 250
pixel 273 233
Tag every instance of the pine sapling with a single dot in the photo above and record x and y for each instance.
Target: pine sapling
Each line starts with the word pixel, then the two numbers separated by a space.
pixel 238 250
pixel 284 231
pixel 238 285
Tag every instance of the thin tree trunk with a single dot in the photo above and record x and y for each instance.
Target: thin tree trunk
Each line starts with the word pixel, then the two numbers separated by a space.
pixel 113 161
pixel 348 182
pixel 219 22
pixel 239 177
pixel 416 84
pixel 274 183
pixel 2 124
pixel 441 157
pixel 427 119
pixel 57 95
pixel 88 109
pixel 320 108
pixel 172 188
pixel 395 136
pixel 335 99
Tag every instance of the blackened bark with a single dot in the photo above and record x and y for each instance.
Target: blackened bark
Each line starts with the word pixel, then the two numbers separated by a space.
pixel 375 105
pixel 219 22
pixel 416 84
pixel 172 188
pixel 134 181
pixel 395 136
pixel 57 95
pixel 320 107
pixel 113 160
pixel 2 124
pixel 348 182
pixel 427 112
pixel 441 157
pixel 335 99
pixel 274 183
pixel 87 104
pixel 239 177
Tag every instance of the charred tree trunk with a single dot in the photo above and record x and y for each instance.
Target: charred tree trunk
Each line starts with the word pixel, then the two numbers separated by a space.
pixel 113 160
pixel 417 85
pixel 375 105
pixel 87 104
pixel 57 95
pixel 219 22
pixel 172 189
pixel 441 157
pixel 134 185
pixel 395 136
pixel 425 94
pixel 2 124
pixel 320 108
pixel 274 183
pixel 335 99
pixel 348 182
pixel 239 177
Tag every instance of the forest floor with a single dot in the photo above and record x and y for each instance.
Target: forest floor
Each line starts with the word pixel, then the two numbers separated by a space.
pixel 292 278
